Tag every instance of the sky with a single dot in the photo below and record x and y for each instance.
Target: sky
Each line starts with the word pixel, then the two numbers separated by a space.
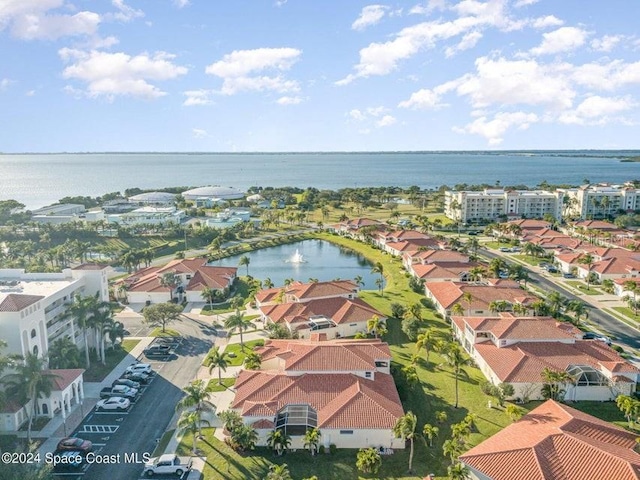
pixel 330 75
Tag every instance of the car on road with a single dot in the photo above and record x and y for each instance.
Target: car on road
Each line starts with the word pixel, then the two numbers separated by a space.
pixel 119 391
pixel 590 336
pixel 505 249
pixel 603 339
pixel 127 383
pixel 74 444
pixel 139 368
pixel 167 464
pixel 139 377
pixel 516 249
pixel 158 351
pixel 113 403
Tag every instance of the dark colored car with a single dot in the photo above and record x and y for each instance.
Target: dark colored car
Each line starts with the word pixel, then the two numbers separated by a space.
pixel 73 444
pixel 67 461
pixel 590 336
pixel 126 382
pixel 137 377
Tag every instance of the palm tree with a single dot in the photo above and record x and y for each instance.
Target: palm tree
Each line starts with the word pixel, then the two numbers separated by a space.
pixel 218 360
pixel 245 261
pixel 115 331
pixel 430 431
pixel 457 310
pixel 191 421
pixel 405 428
pixel 554 381
pixel 101 320
pixel 63 353
pixel 427 340
pixel 556 302
pixel 170 280
pixel 379 269
pixel 31 382
pixel 458 471
pixel 380 284
pixel 312 439
pixel 267 283
pixel 452 448
pixel 80 310
pixel 278 472
pixel 238 322
pixel 454 358
pixel 376 326
pixel 588 260
pixel 468 298
pixel 209 295
pixel 196 398
pixel 358 280
pixel 279 441
pixel 578 308
pixel 633 287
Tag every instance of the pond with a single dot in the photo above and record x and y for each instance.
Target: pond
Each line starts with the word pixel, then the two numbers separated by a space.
pixel 319 259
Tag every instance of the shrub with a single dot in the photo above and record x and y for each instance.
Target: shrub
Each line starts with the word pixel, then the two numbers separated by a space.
pixel 321 449
pixel 368 460
pixel 397 310
pixel 332 448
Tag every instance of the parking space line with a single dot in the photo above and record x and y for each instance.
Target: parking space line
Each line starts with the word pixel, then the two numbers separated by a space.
pixel 99 429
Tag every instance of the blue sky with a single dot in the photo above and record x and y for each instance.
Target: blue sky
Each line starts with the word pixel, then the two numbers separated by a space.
pixel 302 75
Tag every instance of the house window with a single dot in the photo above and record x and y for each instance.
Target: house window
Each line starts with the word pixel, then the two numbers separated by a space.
pixel 346 432
pixel 188 277
pixel 33 333
pixel 367 374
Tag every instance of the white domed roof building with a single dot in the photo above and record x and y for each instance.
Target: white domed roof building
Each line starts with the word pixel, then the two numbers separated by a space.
pixel 213 192
pixel 153 198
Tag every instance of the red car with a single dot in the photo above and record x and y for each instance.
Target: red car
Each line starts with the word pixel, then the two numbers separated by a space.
pixel 73 444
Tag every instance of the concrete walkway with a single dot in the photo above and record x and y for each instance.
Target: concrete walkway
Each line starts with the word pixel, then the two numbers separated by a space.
pixel 57 428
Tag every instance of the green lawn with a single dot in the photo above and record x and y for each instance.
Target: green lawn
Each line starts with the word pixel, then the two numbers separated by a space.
pixel 534 261
pixel 168 332
pixel 236 350
pixel 162 444
pixel 583 288
pixel 97 372
pixel 213 386
pixel 242 288
pixel 628 312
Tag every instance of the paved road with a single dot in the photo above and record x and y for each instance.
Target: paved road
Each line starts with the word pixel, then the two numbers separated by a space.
pixel 617 330
pixel 139 430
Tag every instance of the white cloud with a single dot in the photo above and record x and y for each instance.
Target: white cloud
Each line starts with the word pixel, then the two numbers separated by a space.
pixel 607 76
pixel 181 3
pixel 376 111
pixel 468 41
pixel 545 22
pixel 199 133
pixel 289 100
pixel 597 110
pixel 423 99
pixel 428 7
pixel 280 3
pixel 197 97
pixel 506 82
pixel 386 121
pixel 383 58
pixel 564 39
pixel 113 74
pixel 30 93
pixel 124 13
pixel 524 3
pixel 494 129
pixel 4 83
pixel 370 15
pixel 356 115
pixel 236 67
pixel 606 43
pixel 32 20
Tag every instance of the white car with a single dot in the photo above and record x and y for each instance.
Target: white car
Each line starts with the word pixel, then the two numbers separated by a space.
pixel 113 403
pixel 138 368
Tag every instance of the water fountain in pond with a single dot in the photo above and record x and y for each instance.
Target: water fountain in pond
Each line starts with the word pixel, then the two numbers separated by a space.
pixel 297 257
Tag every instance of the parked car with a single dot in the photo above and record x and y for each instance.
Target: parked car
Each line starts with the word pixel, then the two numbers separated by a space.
pixel 168 464
pixel 68 461
pixel 590 336
pixel 568 275
pixel 158 351
pixel 113 403
pixel 119 391
pixel 505 249
pixel 139 377
pixel 139 367
pixel 74 444
pixel 127 383
pixel 552 269
pixel 516 249
pixel 604 339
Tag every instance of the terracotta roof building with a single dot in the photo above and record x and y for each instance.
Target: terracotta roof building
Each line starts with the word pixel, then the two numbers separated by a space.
pixel 556 442
pixel 304 292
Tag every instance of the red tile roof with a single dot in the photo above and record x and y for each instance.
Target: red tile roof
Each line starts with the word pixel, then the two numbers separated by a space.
pixel 433 256
pixel 596 225
pixel 14 302
pixel 557 442
pixel 442 270
pixel 522 328
pixel 64 377
pixel 340 400
pixel 308 291
pixel 449 293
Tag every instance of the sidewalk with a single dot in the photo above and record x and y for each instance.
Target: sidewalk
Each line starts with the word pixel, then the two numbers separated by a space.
pixel 57 428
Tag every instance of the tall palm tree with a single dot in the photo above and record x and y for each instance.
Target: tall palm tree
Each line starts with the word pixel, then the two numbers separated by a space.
pixel 457 309
pixel 196 398
pixel 279 441
pixel 376 326
pixel 458 471
pixel 358 280
pixel 245 261
pixel 379 269
pixel 312 439
pixel 238 322
pixel 267 283
pixel 170 280
pixel 452 448
pixel 588 260
pixel 192 421
pixel 633 287
pixel 81 310
pixel 101 320
pixel 468 298
pixel 430 431
pixel 405 428
pixel 31 382
pixel 455 358
pixel 218 360
pixel 115 331
pixel 427 340
pixel 556 303
pixel 63 353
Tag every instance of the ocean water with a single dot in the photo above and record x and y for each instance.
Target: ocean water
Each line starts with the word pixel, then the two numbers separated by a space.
pixel 37 179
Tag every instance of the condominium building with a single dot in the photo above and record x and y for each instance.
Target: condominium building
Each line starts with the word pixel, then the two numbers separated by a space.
pixel 491 204
pixel 600 200
pixel 33 305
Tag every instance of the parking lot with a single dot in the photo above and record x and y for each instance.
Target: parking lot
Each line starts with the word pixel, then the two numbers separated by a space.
pixel 123 440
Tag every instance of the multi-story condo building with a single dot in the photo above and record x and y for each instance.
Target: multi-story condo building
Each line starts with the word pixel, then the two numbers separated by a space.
pixel 33 305
pixel 491 204
pixel 600 200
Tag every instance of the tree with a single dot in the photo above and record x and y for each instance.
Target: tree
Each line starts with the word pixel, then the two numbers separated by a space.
pixel 468 298
pixel 368 460
pixel 209 295
pixel 397 310
pixel 588 260
pixel 161 314
pixel 376 326
pixel 101 320
pixel 196 398
pixel 632 286
pixel 278 441
pixel 252 361
pixel 358 280
pixel 80 310
pixel 457 310
pixel 267 283
pixel 454 358
pixel 430 431
pixel 405 428
pixel 217 359
pixel 427 340
pixel 452 448
pixel 458 471
pixel 379 269
pixel 415 310
pixel 170 280
pixel 245 261
pixel 63 353
pixel 29 382
pixel 278 472
pixel 514 412
pixel 629 406
pixel 115 331
pixel 192 422
pixel 380 284
pixel 555 380
pixel 556 303
pixel 578 308
pixel 312 440
pixel 410 326
pixel 244 437
pixel 238 322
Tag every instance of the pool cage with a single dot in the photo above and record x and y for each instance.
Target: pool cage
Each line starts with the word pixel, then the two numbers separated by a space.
pixel 586 376
pixel 296 419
